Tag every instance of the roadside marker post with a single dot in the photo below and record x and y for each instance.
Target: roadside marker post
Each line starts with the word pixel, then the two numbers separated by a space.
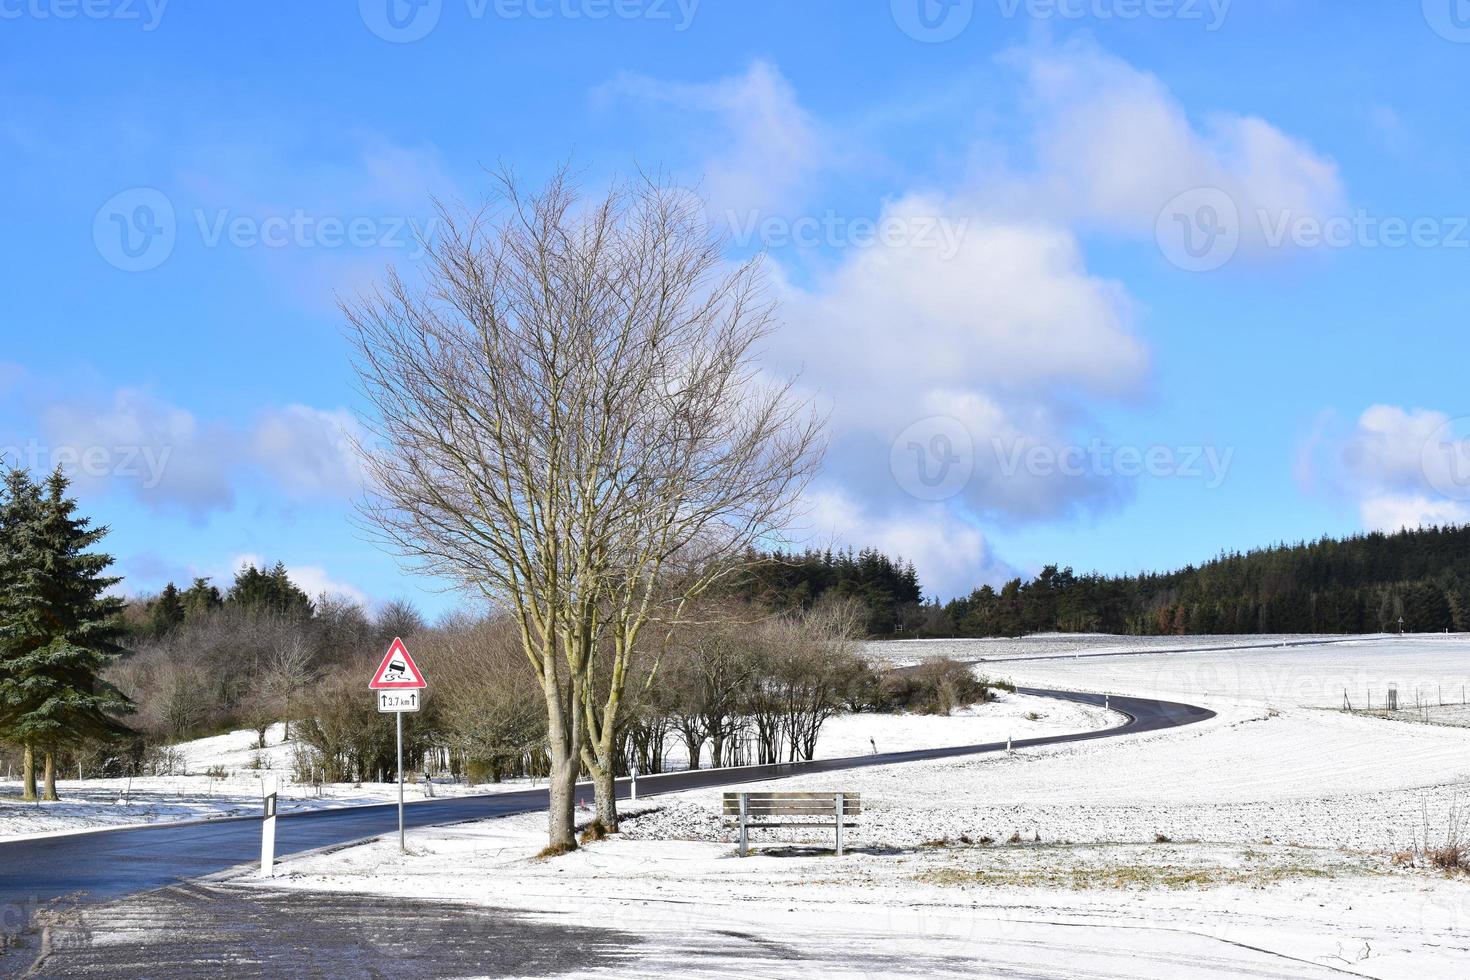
pixel 398 682
pixel 633 794
pixel 268 827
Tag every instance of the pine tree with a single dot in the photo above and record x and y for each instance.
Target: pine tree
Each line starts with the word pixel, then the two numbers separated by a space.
pixel 61 631
pixel 200 598
pixel 272 591
pixel 166 612
pixel 20 503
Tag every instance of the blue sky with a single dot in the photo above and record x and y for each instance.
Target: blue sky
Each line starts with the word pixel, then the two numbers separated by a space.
pixel 975 219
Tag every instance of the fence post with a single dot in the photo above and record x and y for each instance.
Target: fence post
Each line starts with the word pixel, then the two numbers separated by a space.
pixel 744 830
pixel 841 817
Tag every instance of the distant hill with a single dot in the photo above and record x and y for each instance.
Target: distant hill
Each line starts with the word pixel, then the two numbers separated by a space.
pixel 1363 584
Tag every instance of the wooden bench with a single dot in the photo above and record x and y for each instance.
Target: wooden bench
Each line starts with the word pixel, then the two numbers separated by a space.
pixel 770 811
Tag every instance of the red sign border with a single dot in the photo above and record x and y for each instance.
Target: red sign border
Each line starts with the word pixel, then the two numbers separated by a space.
pixel 398 647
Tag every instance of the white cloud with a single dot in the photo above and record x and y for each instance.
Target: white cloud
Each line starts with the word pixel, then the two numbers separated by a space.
pixel 158 453
pixel 1394 513
pixel 309 450
pixel 1114 146
pixel 1405 468
pixel 766 147
pixel 1011 336
pixel 170 460
pixel 952 555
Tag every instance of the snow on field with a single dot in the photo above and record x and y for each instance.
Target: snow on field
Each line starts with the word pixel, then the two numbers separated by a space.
pixel 903 653
pixel 1430 668
pixel 1262 842
pixel 1040 911
pixel 1268 767
pixel 195 794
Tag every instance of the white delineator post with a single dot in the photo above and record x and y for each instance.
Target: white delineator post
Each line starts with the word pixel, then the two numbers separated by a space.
pixel 268 827
pixel 633 782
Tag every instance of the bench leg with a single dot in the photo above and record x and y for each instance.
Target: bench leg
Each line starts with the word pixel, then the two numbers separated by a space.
pixel 744 829
pixel 840 809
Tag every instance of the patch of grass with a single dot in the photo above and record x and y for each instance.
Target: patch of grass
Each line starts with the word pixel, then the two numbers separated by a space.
pixel 1162 839
pixel 1117 877
pixel 593 832
pixel 555 850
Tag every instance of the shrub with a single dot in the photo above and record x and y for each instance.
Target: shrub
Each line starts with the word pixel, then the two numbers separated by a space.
pixel 937 687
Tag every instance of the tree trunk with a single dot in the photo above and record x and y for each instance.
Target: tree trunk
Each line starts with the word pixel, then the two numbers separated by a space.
pixel 28 774
pixel 564 746
pixel 561 830
pixel 601 765
pixel 50 792
pixel 605 785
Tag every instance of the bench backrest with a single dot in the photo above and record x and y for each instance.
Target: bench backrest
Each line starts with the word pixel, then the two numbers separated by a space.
pixel 792 804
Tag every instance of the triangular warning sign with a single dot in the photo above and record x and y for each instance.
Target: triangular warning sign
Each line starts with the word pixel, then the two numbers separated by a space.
pixel 397 671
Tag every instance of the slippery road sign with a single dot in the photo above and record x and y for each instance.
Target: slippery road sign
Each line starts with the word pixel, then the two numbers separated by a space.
pixel 397 671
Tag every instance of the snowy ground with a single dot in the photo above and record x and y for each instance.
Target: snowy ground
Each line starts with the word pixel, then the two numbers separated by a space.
pixel 1249 669
pixel 194 794
pixel 1268 841
pixel 1023 910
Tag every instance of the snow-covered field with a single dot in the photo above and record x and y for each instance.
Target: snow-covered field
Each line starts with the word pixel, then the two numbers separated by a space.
pixel 1268 841
pixel 193 794
pixel 1255 670
pixel 903 653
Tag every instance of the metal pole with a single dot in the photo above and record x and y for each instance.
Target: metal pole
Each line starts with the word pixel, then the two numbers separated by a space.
pixel 401 847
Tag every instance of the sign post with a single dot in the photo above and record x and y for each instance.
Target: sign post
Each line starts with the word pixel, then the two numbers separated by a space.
pixel 398 682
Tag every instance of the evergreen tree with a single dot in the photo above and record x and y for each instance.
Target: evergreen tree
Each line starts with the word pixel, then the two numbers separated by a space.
pixel 20 503
pixel 200 598
pixel 60 631
pixel 272 591
pixel 166 612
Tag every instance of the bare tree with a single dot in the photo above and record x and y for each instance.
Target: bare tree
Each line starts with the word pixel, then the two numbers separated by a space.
pixel 570 421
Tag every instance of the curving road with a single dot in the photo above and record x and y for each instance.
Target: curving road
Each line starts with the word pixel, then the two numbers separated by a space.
pixel 108 864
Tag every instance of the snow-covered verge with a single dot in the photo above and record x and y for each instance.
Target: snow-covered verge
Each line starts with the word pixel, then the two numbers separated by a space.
pixel 1050 910
pixel 195 794
pixel 219 776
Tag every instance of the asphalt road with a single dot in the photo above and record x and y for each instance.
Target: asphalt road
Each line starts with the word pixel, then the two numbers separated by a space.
pixel 108 864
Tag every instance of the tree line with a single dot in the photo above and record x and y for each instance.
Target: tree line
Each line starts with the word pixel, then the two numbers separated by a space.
pixel 1417 580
